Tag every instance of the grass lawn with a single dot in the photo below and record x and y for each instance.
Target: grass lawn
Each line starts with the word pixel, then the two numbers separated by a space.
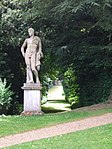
pixel 94 138
pixel 56 101
pixel 16 124
pixel 56 93
pixel 56 106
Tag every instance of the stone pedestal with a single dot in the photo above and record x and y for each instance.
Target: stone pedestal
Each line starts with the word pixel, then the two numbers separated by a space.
pixel 32 99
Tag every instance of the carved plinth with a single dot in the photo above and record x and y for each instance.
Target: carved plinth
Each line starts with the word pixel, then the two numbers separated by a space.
pixel 32 99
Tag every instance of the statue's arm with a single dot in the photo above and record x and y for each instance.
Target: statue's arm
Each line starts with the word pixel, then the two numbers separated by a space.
pixel 23 47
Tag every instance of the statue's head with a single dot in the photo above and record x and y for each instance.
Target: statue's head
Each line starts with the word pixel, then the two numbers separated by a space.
pixel 31 31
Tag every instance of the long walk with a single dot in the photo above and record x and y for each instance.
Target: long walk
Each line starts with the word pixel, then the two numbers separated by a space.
pixel 55 130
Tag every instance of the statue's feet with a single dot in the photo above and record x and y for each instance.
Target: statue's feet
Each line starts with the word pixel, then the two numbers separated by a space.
pixel 31 81
pixel 38 82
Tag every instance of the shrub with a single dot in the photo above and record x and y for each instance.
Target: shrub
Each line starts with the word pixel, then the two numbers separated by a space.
pixel 5 96
pixel 71 87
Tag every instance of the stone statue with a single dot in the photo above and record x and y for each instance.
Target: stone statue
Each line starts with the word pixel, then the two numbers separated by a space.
pixel 32 52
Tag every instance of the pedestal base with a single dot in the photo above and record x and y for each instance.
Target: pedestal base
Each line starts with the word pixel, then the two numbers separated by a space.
pixel 30 113
pixel 32 99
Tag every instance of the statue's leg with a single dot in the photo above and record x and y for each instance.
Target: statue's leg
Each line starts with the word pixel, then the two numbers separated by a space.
pixel 36 74
pixel 33 67
pixel 29 75
pixel 37 78
pixel 29 78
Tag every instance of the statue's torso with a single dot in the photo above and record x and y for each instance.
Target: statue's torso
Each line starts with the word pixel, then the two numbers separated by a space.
pixel 32 46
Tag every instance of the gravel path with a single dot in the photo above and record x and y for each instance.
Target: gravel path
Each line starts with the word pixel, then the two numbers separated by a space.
pixel 55 130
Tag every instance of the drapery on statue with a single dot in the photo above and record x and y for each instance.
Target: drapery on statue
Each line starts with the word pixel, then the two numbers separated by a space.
pixel 32 52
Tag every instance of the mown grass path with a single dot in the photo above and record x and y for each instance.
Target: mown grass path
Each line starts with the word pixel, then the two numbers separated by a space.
pixel 55 130
pixel 56 93
pixel 56 101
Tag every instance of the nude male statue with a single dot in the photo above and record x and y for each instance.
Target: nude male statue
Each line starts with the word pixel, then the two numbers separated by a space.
pixel 32 55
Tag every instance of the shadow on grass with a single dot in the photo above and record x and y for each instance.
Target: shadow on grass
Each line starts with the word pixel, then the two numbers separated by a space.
pixel 53 106
pixel 51 110
pixel 58 101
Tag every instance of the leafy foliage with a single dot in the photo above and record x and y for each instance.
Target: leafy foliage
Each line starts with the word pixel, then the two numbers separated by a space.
pixel 71 87
pixel 5 97
pixel 86 34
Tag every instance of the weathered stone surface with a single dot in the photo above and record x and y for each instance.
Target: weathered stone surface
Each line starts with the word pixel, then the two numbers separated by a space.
pixel 32 99
pixel 32 86
pixel 32 52
pixel 30 113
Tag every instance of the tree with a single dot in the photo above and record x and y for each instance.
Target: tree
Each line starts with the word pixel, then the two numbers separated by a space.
pixel 86 34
